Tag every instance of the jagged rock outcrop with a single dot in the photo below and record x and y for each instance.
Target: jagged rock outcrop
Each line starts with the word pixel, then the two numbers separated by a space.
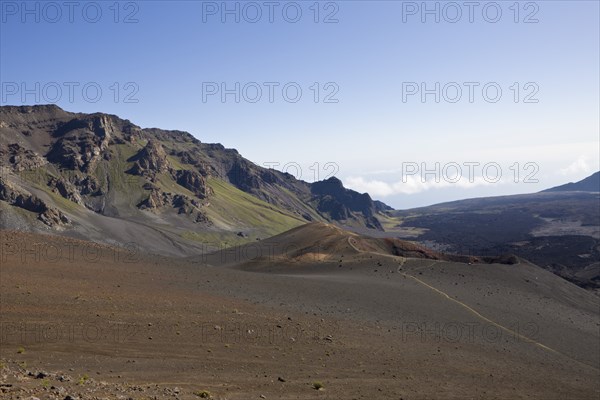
pixel 155 200
pixel 332 198
pixel 194 182
pixel 151 160
pixel 184 205
pixel 65 189
pixel 88 186
pixel 27 201
pixel 52 217
pixel 19 158
pixel 82 143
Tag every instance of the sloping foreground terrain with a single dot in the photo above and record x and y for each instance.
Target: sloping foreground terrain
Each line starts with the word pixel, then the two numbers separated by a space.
pixel 557 230
pixel 101 178
pixel 323 309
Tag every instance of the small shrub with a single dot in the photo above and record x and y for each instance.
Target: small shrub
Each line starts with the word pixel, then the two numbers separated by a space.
pixel 203 394
pixel 21 350
pixel 317 386
pixel 83 379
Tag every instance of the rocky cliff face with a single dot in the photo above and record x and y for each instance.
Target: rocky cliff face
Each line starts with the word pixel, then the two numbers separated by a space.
pixel 194 182
pixel 151 160
pixel 19 159
pixel 66 189
pixel 82 143
pixel 340 203
pixel 111 167
pixel 18 197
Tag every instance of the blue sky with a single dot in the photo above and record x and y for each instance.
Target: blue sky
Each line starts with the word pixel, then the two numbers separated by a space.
pixel 364 126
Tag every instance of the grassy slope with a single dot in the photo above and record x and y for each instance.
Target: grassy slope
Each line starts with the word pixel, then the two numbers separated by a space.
pixel 232 210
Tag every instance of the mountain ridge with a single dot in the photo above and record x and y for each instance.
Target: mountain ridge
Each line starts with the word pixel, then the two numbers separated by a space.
pixel 70 163
pixel 588 184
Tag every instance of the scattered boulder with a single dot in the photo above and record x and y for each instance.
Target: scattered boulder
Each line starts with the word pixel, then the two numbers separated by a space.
pixel 202 218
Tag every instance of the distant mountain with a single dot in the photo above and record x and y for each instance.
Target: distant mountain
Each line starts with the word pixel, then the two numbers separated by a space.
pixel 340 203
pixel 101 177
pixel 559 231
pixel 589 184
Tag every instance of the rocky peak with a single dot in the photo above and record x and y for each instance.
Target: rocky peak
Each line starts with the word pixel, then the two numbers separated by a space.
pixel 333 199
pixel 353 200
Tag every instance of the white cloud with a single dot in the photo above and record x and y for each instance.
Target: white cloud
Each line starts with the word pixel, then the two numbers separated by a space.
pixel 578 167
pixel 413 185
